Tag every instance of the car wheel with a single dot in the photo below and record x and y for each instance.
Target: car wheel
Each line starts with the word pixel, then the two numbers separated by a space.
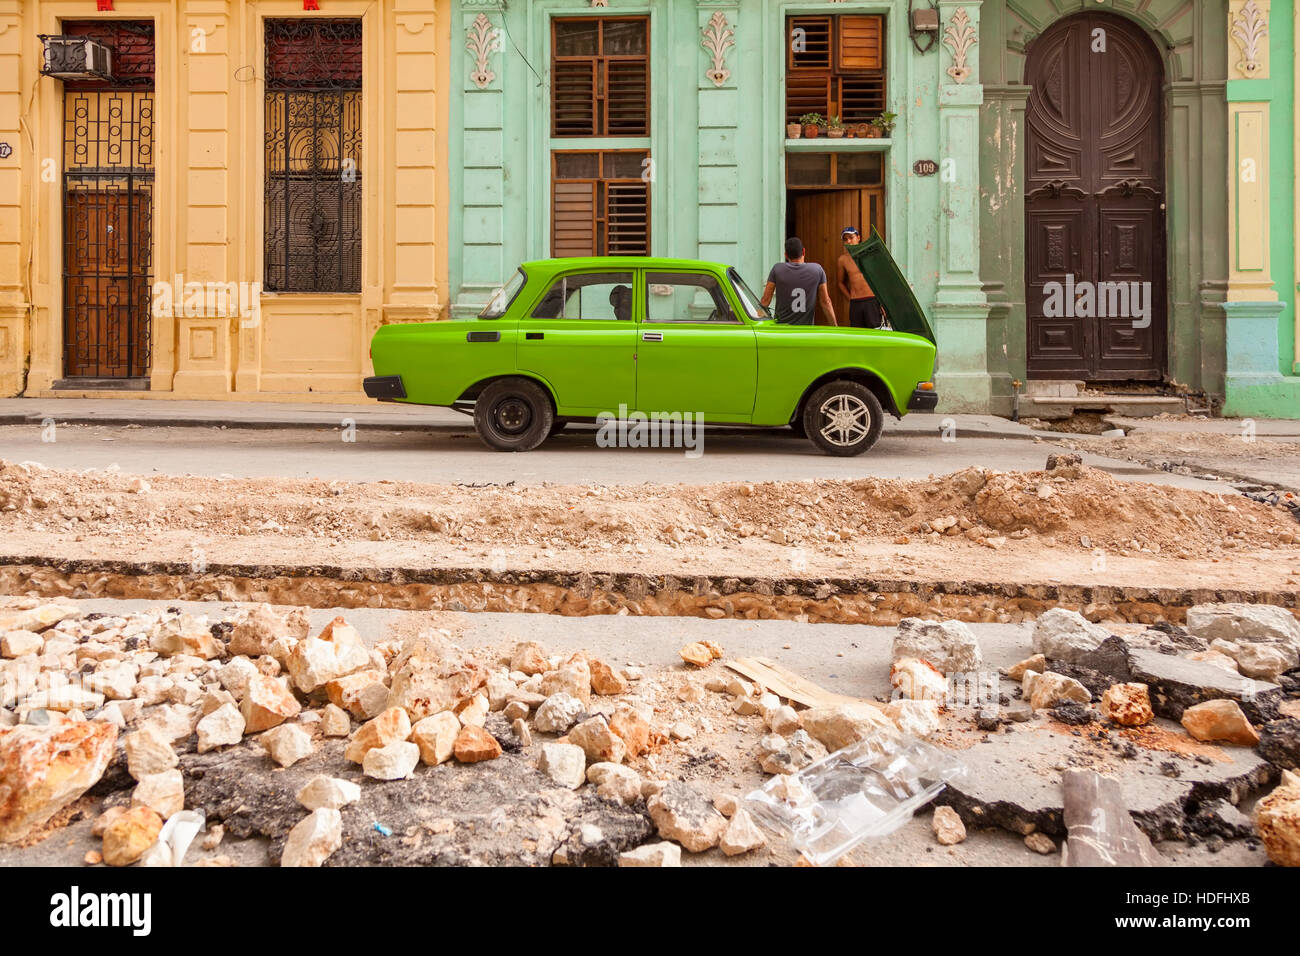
pixel 843 418
pixel 513 414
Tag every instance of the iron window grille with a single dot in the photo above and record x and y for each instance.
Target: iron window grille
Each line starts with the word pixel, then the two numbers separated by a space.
pixel 313 155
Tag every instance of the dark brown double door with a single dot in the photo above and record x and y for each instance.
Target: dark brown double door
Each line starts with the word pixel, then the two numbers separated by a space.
pixel 1094 203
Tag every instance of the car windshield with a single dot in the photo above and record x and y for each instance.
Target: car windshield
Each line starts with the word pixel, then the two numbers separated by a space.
pixel 747 298
pixel 502 297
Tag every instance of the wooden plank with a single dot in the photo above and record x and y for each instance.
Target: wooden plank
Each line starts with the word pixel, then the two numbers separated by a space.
pixel 786 683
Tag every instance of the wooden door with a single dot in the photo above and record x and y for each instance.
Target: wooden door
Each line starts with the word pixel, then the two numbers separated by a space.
pixel 106 292
pixel 1094 203
pixel 819 218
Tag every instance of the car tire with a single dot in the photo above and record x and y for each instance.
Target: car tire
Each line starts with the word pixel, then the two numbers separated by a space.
pixel 843 418
pixel 513 414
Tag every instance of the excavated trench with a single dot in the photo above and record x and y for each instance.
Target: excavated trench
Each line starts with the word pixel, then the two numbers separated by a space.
pixel 861 600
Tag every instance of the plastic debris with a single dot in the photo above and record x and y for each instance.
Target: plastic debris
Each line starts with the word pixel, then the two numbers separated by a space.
pixel 383 830
pixel 866 790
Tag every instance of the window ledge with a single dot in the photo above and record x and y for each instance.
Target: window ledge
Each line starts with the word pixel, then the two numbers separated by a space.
pixel 824 144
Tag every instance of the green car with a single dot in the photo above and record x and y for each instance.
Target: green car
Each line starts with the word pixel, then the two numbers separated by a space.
pixel 587 339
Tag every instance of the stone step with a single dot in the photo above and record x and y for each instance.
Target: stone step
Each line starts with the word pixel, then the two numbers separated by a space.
pixel 1136 406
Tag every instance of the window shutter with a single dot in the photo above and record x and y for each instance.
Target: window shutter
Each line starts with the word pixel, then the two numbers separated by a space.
pixel 627 98
pixel 574 98
pixel 860 43
pixel 573 219
pixel 807 93
pixel 627 216
pixel 809 43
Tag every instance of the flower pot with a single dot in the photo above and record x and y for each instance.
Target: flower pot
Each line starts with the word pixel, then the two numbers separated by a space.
pixel 863 130
pixel 811 130
pixel 835 133
pixel 873 132
pixel 792 130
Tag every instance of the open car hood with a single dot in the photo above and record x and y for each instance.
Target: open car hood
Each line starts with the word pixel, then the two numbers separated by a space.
pixel 890 286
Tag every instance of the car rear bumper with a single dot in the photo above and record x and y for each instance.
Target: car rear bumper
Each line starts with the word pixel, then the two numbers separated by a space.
pixel 384 387
pixel 923 400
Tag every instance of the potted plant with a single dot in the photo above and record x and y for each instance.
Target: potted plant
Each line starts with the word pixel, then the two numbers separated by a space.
pixel 863 130
pixel 885 123
pixel 812 124
pixel 792 130
pixel 834 128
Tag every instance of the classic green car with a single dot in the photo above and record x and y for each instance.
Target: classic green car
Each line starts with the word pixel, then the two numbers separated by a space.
pixel 584 339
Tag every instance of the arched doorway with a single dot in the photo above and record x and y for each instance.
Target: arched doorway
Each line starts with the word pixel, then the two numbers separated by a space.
pixel 1095 202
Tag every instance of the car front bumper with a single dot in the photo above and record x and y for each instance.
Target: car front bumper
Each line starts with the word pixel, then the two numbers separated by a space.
pixel 384 387
pixel 923 400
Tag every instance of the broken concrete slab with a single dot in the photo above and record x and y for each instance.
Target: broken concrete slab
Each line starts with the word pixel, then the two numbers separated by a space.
pixel 1014 781
pixel 1176 683
pixel 1100 827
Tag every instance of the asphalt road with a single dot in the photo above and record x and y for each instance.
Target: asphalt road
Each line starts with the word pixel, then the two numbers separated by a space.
pixel 450 454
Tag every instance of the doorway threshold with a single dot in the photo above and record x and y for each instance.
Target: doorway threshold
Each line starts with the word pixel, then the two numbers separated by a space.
pixel 101 384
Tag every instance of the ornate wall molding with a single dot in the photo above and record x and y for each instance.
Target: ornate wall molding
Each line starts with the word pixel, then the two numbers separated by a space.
pixel 716 38
pixel 482 40
pixel 1248 27
pixel 959 37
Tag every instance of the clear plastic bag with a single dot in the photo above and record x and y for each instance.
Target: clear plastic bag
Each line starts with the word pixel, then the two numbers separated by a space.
pixel 868 789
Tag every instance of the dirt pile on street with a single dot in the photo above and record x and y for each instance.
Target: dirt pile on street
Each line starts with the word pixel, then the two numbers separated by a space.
pixel 1070 507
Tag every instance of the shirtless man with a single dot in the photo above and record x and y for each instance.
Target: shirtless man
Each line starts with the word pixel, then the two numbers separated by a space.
pixel 864 309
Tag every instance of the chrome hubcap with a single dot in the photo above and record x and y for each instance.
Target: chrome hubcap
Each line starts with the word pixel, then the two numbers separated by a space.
pixel 846 420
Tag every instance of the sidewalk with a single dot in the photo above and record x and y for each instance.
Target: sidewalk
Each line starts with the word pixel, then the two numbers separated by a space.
pixel 213 414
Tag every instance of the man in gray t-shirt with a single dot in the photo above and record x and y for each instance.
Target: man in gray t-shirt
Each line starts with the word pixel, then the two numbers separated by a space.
pixel 799 287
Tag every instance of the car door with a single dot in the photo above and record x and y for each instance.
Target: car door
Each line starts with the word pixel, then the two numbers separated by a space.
pixel 581 338
pixel 694 352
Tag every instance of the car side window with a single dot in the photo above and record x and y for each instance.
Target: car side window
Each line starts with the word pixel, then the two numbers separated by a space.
pixel 687 297
pixel 603 296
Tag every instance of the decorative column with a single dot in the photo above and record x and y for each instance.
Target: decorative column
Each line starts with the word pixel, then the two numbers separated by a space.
pixel 204 344
pixel 961 310
pixel 1252 306
pixel 16 163
pixel 482 147
pixel 719 105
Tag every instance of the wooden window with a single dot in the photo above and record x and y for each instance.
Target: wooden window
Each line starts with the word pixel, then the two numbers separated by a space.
pixel 600 205
pixel 835 66
pixel 600 76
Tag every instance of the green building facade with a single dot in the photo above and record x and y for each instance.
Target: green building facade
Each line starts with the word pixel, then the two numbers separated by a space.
pixel 1026 147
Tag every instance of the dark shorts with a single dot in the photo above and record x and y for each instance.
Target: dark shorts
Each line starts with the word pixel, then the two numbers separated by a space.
pixel 865 313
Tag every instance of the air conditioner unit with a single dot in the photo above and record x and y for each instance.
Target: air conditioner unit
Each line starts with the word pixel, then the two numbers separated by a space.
pixel 76 58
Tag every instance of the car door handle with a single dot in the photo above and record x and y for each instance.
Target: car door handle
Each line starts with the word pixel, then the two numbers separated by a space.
pixel 652 336
pixel 534 335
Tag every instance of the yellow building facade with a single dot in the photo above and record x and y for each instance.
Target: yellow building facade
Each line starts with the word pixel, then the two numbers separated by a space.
pixel 233 209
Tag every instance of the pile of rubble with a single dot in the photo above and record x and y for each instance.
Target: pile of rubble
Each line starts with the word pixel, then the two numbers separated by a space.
pixel 169 718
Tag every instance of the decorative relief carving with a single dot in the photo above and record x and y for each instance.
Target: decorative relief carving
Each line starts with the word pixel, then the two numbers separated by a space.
pixel 482 40
pixel 1249 28
pixel 717 37
pixel 959 36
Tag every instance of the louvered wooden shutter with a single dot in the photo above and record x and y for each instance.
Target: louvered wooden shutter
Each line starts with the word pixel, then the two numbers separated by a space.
pixel 574 98
pixel 573 219
pixel 627 219
pixel 860 47
pixel 627 98
pixel 809 43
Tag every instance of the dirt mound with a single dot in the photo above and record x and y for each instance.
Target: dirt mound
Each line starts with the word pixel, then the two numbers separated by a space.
pixel 1073 506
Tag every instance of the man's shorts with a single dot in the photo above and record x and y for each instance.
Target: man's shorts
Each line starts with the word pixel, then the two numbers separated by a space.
pixel 865 313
